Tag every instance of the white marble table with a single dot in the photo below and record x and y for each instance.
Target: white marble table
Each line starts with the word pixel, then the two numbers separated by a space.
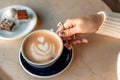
pixel 96 60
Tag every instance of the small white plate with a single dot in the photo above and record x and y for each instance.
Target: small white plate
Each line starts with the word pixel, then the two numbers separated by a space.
pixel 22 27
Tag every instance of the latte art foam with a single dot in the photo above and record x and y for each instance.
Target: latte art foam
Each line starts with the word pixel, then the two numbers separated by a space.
pixel 43 51
pixel 41 47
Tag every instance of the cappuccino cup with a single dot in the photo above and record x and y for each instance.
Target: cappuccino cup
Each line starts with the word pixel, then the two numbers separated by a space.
pixel 41 48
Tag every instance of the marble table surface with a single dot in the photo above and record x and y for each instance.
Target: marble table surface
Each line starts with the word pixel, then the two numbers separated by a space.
pixel 96 60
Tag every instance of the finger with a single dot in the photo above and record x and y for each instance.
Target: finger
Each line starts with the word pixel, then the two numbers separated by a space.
pixel 80 41
pixel 76 42
pixel 69 23
pixel 84 41
pixel 59 30
pixel 68 32
pixel 68 38
pixel 60 27
pixel 67 28
pixel 68 45
pixel 72 38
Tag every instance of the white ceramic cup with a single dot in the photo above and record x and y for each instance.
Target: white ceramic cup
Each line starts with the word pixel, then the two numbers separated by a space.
pixel 41 48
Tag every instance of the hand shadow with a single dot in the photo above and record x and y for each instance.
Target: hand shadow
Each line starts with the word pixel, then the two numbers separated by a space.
pixel 97 59
pixel 4 75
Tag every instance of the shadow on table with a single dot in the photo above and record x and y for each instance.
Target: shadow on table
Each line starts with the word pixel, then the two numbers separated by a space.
pixel 39 22
pixel 113 4
pixel 4 75
pixel 98 59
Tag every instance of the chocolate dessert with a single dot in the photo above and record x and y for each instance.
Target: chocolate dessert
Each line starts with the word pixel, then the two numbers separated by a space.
pixel 22 14
pixel 7 25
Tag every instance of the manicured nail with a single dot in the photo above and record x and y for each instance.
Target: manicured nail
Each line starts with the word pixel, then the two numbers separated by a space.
pixel 78 42
pixel 62 33
pixel 68 46
pixel 85 41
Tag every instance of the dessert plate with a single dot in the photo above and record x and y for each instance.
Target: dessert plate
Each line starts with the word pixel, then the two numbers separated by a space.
pixel 22 27
pixel 55 69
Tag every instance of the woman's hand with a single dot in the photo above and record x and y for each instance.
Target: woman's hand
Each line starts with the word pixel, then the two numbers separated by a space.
pixel 71 30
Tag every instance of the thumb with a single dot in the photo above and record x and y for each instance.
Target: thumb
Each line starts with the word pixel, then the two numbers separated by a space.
pixel 68 32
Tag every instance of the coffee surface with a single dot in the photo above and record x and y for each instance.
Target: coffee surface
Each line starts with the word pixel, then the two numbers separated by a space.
pixel 42 47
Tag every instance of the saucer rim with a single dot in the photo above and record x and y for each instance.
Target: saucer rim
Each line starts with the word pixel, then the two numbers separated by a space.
pixel 34 75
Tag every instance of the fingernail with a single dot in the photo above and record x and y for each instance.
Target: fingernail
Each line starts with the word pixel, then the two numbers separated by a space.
pixel 62 33
pixel 85 41
pixel 68 46
pixel 78 42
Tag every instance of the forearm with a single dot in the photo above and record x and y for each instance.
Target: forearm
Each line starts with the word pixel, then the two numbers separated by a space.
pixel 110 25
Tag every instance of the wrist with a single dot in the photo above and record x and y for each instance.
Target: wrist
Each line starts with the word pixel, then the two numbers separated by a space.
pixel 101 19
pixel 92 23
pixel 111 24
pixel 97 21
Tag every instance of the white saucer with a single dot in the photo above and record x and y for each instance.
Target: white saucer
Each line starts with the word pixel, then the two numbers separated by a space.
pixel 22 27
pixel 55 69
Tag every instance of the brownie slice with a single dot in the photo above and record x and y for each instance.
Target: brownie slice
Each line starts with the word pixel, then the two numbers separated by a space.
pixel 22 14
pixel 7 25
